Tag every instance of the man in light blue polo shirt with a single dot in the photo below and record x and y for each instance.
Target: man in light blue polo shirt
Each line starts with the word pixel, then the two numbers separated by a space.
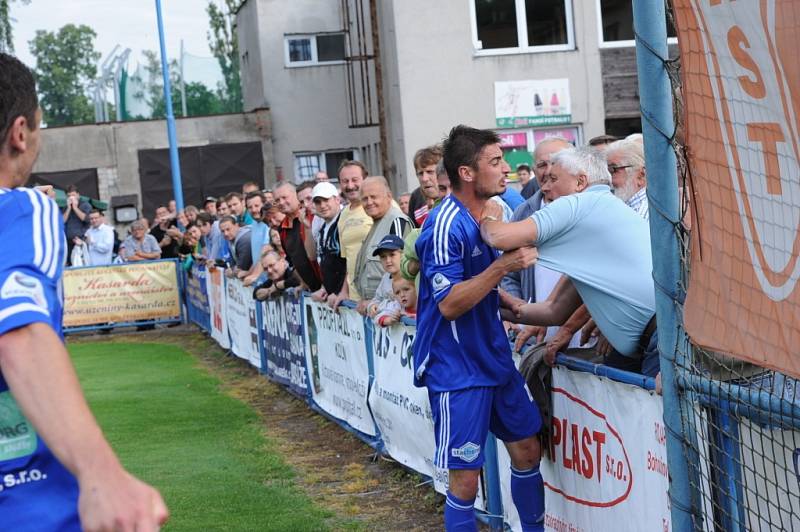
pixel 602 247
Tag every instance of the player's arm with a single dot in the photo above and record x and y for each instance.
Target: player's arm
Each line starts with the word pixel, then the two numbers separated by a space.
pixel 466 294
pixel 41 378
pixel 505 236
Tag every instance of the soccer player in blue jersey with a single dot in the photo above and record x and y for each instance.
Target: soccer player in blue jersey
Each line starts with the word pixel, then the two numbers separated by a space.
pixel 461 353
pixel 57 471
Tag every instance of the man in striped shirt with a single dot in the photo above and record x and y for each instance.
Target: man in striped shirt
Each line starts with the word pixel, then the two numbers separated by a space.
pixel 51 449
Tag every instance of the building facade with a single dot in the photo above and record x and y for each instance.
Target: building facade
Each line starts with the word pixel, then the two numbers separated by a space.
pixel 526 68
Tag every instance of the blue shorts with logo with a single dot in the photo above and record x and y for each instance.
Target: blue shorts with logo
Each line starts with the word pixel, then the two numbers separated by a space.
pixel 463 418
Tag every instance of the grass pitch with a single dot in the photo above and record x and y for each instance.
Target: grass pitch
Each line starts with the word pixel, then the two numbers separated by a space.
pixel 206 452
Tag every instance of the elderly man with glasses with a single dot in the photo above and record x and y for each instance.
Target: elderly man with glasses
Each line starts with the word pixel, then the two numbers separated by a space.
pixel 628 174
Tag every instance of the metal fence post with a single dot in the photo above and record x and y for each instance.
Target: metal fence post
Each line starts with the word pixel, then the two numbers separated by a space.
pixel 655 94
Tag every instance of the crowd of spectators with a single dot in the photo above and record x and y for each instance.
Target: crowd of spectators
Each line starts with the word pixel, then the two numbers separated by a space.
pixel 354 239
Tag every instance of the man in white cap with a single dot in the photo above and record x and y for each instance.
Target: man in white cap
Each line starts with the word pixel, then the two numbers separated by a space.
pixel 328 207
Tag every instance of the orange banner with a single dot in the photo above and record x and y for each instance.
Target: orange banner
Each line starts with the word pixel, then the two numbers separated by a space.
pixel 741 89
pixel 121 293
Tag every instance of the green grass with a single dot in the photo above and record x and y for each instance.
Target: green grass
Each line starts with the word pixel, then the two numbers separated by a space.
pixel 205 451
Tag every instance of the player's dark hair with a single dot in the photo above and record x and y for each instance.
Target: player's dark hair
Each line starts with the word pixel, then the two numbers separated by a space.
pixel 17 95
pixel 462 147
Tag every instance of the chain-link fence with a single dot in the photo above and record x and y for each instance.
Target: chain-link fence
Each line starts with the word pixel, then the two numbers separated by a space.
pixel 733 226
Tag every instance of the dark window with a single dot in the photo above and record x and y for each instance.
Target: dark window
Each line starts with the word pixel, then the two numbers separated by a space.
pixel 330 47
pixel 334 159
pixel 617 17
pixel 547 22
pixel 497 23
pixel 299 50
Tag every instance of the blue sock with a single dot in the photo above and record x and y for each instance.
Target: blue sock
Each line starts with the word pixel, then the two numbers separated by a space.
pixel 459 515
pixel 527 491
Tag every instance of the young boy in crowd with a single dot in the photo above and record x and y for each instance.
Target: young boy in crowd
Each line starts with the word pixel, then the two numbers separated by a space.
pixel 389 250
pixel 405 292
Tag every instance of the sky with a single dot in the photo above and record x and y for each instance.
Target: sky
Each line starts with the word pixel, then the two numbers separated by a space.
pixel 129 23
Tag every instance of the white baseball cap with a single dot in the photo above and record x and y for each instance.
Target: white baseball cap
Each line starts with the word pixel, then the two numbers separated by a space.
pixel 324 190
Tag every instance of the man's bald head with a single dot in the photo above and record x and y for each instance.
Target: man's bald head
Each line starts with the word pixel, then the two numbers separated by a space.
pixel 376 196
pixel 543 153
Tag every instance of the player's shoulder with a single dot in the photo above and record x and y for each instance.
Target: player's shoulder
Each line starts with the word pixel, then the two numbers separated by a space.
pixel 18 205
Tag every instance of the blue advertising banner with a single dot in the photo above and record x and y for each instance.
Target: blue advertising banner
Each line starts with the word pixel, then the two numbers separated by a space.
pixel 282 339
pixel 198 309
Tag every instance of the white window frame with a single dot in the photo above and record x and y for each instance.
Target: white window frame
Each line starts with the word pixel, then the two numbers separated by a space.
pixel 522 33
pixel 323 165
pixel 314 59
pixel 616 44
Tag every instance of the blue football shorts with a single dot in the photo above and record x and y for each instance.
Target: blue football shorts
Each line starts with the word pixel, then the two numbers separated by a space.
pixel 463 418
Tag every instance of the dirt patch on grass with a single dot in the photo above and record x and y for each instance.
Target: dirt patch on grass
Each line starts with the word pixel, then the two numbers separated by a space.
pixel 333 467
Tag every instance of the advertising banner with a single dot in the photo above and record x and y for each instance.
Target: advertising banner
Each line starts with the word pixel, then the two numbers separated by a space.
pixel 197 297
pixel 741 80
pixel 215 283
pixel 282 339
pixel 401 410
pixel 240 308
pixel 336 359
pixel 533 102
pixel 121 293
pixel 606 464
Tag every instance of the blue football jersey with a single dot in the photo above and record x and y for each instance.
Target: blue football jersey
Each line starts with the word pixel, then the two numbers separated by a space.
pixel 36 491
pixel 472 350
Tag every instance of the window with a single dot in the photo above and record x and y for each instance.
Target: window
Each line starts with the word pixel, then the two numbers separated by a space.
pixel 514 26
pixel 320 49
pixel 616 23
pixel 306 165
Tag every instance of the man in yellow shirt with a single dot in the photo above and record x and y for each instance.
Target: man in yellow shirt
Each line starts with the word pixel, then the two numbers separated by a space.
pixel 354 226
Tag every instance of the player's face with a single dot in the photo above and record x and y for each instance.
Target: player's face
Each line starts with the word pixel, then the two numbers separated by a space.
pixel 490 178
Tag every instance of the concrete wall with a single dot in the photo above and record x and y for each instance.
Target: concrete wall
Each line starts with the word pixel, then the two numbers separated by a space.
pixel 434 80
pixel 113 148
pixel 308 104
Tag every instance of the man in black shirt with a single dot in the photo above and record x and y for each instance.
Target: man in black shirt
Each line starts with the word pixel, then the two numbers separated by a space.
pixel 331 263
pixel 162 223
pixel 296 236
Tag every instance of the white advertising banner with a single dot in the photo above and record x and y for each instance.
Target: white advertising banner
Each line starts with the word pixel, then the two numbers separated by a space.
pixel 337 363
pixel 532 102
pixel 242 322
pixel 401 410
pixel 606 467
pixel 216 302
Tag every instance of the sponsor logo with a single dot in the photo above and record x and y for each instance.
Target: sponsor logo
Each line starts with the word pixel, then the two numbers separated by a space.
pixel 468 452
pixel 440 282
pixel 476 251
pixel 19 284
pixel 593 468
pixel 748 60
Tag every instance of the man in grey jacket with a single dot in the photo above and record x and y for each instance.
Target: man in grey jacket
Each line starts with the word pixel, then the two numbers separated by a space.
pixel 388 219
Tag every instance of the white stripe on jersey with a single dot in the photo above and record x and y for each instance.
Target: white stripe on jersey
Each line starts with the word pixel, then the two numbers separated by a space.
pixel 440 239
pixel 37 228
pixel 57 238
pixel 446 234
pixel 46 235
pixel 447 431
pixel 22 307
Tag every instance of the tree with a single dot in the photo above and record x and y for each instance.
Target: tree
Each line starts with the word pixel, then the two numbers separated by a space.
pixel 6 33
pixel 65 64
pixel 223 43
pixel 200 100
